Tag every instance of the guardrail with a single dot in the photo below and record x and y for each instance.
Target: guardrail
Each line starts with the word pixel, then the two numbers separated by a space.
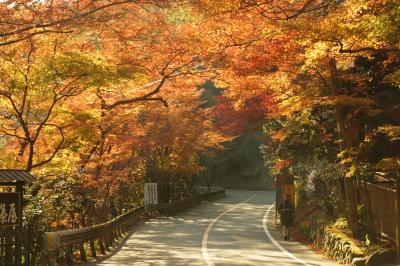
pixel 102 236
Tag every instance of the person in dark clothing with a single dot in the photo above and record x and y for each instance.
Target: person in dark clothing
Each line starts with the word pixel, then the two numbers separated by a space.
pixel 286 212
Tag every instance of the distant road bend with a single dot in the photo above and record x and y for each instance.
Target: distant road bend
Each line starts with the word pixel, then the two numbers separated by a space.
pixel 236 230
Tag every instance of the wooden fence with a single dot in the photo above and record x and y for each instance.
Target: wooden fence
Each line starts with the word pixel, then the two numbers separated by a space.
pixel 25 251
pixel 383 205
pixel 61 245
pixel 9 246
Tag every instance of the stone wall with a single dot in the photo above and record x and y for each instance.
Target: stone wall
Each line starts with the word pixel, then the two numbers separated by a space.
pixel 337 245
pixel 344 250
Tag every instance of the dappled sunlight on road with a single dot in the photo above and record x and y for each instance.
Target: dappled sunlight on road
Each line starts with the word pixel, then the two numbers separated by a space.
pixel 237 238
pixel 165 241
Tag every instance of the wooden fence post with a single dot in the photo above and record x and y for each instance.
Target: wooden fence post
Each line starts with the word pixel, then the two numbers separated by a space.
pixel 51 258
pixel 106 242
pixel 28 246
pixel 7 249
pixel 398 209
pixel 2 246
pixel 68 256
pixel 119 232
pixel 92 248
pixel 101 245
pixel 82 252
pixel 111 236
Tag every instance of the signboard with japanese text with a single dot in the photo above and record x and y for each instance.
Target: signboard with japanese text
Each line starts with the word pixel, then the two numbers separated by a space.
pixel 9 209
pixel 290 192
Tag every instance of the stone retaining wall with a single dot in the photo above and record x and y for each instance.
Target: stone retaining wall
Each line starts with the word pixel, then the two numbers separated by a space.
pixel 336 245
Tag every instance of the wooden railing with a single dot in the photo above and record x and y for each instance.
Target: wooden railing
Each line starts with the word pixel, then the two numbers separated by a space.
pixel 60 245
pixel 101 235
pixel 180 205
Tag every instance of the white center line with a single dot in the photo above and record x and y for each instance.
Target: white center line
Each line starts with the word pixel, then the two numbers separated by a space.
pixel 204 243
pixel 276 243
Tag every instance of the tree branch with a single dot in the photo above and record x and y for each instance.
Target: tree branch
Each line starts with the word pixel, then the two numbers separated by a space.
pixel 368 49
pixel 56 150
pixel 16 40
pixel 61 21
pixel 140 98
pixel 364 49
pixel 148 96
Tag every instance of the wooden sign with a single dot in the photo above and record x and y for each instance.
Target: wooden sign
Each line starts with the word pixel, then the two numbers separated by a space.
pixel 9 209
pixel 150 195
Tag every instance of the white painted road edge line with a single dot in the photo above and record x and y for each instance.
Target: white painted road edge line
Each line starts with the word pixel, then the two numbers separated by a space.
pixel 276 243
pixel 204 249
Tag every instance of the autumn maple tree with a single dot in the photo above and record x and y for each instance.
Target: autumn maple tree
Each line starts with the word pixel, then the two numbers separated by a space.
pixel 98 96
pixel 311 57
pixel 91 92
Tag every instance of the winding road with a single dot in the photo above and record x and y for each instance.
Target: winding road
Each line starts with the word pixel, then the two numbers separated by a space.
pixel 236 230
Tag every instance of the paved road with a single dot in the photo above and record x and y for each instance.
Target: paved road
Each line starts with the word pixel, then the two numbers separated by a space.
pixel 237 230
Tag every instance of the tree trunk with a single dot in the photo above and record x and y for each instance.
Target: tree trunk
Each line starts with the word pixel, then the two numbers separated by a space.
pixel 344 144
pixel 29 163
pixel 352 206
pixel 370 217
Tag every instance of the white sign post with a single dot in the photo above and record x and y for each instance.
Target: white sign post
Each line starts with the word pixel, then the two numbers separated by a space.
pixel 150 195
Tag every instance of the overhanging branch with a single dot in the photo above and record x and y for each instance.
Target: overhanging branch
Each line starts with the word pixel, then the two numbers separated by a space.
pixel 149 96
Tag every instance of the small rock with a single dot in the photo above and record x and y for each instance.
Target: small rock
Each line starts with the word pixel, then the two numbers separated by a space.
pixel 359 262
